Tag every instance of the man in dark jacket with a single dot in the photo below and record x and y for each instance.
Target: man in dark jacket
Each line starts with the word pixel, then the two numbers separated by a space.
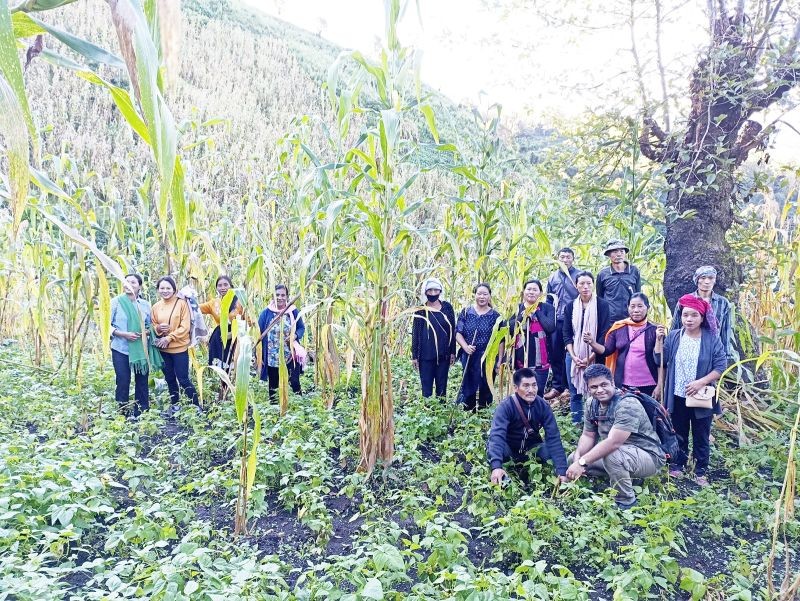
pixel 617 282
pixel 561 286
pixel 512 438
pixel 704 279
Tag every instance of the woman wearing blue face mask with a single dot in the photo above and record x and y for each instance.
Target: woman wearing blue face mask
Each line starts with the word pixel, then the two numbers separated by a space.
pixel 433 339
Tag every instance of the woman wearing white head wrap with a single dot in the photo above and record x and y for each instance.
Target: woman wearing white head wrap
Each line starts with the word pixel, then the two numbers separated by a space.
pixel 433 339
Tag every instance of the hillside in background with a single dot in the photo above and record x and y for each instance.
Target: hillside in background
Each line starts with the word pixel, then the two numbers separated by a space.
pixel 244 78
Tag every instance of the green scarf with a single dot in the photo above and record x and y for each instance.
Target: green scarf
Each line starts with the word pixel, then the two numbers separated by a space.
pixel 139 361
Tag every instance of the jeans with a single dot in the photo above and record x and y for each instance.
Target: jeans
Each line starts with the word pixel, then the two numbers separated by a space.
pixel 621 466
pixel 683 419
pixel 557 359
pixel 575 399
pixel 122 370
pixel 273 378
pixel 431 371
pixel 541 378
pixel 176 373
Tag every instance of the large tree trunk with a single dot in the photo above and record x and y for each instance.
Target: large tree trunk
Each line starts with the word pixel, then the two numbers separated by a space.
pixel 733 80
pixel 700 240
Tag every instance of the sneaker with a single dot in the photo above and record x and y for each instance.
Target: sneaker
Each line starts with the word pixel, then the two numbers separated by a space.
pixel 625 506
pixel 675 473
pixel 701 481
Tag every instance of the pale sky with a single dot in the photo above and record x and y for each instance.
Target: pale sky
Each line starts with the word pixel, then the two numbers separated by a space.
pixel 479 52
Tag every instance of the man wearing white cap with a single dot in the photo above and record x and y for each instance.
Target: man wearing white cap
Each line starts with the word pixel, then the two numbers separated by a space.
pixel 619 281
pixel 721 321
pixel 433 339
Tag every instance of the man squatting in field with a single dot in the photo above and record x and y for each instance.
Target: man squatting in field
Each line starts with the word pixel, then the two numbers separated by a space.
pixel 516 429
pixel 628 445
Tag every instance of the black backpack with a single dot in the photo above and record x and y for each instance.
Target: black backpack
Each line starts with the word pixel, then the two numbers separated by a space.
pixel 656 413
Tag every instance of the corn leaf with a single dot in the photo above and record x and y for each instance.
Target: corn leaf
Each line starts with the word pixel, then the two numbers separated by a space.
pixel 110 264
pixel 42 5
pixel 141 57
pixel 25 26
pixel 83 47
pixel 224 309
pixel 10 67
pixel 180 209
pixel 245 345
pixel 251 459
pixel 13 131
pixel 103 314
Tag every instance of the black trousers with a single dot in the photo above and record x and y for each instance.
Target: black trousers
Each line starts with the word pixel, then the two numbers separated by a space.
pixel 683 419
pixel 483 398
pixel 557 358
pixel 122 370
pixel 273 378
pixel 176 373
pixel 433 371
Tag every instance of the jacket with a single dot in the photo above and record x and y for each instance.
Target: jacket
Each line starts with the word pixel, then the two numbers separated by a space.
pixel 618 339
pixel 616 288
pixel 509 429
pixel 562 289
pixel 213 307
pixel 724 312
pixel 119 321
pixel 712 358
pixel 423 334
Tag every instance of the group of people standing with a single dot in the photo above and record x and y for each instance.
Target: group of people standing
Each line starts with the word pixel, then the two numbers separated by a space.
pixel 578 321
pixel 146 339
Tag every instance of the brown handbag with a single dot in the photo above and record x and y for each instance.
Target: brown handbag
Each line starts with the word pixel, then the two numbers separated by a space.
pixel 703 399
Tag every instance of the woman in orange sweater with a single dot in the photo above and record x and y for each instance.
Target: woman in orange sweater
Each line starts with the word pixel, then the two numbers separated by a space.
pixel 172 321
pixel 219 353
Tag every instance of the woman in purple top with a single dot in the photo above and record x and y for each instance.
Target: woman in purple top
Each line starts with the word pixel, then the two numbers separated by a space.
pixel 628 349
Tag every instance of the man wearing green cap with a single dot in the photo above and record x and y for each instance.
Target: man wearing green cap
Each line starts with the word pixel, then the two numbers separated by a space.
pixel 617 282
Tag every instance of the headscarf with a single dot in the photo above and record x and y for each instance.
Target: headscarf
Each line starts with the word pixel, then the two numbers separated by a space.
pixel 705 270
pixel 703 307
pixel 428 284
pixel 691 301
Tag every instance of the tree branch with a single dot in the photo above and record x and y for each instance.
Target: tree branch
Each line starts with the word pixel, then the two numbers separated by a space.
pixel 661 70
pixel 758 47
pixel 660 151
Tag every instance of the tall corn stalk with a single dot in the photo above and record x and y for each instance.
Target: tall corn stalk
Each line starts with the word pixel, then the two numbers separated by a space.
pixel 359 191
pixel 243 406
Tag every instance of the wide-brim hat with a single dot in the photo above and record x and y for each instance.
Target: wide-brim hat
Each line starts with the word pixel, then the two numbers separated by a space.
pixel 615 245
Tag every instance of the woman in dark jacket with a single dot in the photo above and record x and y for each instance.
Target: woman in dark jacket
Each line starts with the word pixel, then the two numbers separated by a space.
pixel 531 329
pixel 693 357
pixel 281 337
pixel 474 328
pixel 586 318
pixel 628 349
pixel 433 340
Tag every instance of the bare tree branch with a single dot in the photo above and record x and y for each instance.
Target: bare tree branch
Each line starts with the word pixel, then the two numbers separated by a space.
pixel 759 47
pixel 637 63
pixel 661 70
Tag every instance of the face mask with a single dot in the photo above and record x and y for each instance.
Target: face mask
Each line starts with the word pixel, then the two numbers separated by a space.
pixel 432 298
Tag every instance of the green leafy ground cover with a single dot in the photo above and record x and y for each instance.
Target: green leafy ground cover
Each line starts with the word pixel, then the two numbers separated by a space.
pixel 145 509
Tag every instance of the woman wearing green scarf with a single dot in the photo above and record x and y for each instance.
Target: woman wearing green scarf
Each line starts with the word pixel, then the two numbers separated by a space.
pixel 132 353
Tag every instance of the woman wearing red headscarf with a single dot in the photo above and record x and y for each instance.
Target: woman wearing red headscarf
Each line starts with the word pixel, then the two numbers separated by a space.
pixel 693 357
